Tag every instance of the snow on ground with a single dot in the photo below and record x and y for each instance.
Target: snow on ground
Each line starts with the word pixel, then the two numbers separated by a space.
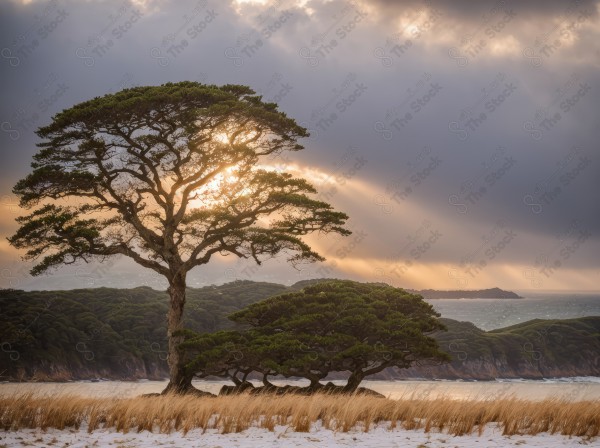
pixel 283 437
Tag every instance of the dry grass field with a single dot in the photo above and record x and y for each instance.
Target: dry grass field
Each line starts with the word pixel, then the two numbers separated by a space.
pixel 230 414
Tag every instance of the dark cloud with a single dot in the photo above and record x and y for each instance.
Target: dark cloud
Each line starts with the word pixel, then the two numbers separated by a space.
pixel 469 10
pixel 415 129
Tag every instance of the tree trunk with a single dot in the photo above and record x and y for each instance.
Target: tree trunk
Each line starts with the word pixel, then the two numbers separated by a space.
pixel 354 381
pixel 314 382
pixel 235 379
pixel 266 382
pixel 179 380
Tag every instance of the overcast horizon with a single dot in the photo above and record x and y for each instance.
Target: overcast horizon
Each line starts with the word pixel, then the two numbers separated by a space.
pixel 461 140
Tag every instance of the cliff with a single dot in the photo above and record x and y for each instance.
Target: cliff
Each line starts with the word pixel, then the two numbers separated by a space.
pixel 535 349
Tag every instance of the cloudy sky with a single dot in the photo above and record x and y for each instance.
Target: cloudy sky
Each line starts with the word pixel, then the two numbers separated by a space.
pixel 462 140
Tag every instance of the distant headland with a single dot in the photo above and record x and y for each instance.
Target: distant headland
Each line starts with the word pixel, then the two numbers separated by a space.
pixel 491 293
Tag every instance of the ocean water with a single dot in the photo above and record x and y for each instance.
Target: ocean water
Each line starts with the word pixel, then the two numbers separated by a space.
pixel 489 314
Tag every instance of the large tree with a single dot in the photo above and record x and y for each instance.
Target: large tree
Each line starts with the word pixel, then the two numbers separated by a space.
pixel 334 326
pixel 169 176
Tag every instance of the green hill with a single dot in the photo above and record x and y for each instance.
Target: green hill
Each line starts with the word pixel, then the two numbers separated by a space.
pixel 106 332
pixel 121 334
pixel 535 349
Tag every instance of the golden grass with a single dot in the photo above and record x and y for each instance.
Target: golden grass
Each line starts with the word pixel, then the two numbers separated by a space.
pixel 339 413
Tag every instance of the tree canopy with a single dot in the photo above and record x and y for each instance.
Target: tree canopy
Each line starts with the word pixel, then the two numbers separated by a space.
pixel 168 176
pixel 338 326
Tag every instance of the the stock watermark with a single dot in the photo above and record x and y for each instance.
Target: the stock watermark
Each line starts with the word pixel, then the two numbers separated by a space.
pixel 551 187
pixel 563 248
pixel 416 99
pixel 27 116
pixel 416 172
pixel 492 98
pixel 27 43
pixel 564 100
pixel 561 34
pixel 493 243
pixel 342 99
pixel 268 23
pixel 119 24
pixel 479 184
pixel 417 245
pixel 340 25
pixel 195 22
pixel 418 23
pixel 492 25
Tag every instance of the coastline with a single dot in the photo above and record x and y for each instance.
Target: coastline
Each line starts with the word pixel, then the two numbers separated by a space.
pixel 572 389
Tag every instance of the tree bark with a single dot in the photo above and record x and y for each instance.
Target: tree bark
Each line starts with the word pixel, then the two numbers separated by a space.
pixel 180 381
pixel 314 382
pixel 354 381
pixel 359 374
pixel 235 379
pixel 266 382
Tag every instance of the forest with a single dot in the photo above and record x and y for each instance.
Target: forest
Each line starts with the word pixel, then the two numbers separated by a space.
pixel 120 334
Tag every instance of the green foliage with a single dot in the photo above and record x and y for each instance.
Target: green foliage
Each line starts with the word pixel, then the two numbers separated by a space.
pixel 329 327
pixel 105 331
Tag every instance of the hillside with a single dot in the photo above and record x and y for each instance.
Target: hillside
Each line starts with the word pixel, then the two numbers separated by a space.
pixel 121 334
pixel 106 332
pixel 535 349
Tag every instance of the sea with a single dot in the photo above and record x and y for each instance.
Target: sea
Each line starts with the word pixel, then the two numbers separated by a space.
pixel 490 314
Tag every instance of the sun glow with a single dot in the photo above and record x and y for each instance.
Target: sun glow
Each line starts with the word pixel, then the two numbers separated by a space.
pixel 238 138
pixel 223 187
pixel 221 137
pixel 228 185
pixel 311 174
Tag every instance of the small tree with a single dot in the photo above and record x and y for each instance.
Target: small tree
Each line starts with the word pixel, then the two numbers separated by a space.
pixel 221 354
pixel 168 176
pixel 333 327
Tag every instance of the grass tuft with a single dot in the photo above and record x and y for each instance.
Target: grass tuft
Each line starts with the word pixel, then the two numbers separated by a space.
pixel 233 414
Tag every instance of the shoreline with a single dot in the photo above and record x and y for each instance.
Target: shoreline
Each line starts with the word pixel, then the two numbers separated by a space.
pixel 549 380
pixel 573 389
